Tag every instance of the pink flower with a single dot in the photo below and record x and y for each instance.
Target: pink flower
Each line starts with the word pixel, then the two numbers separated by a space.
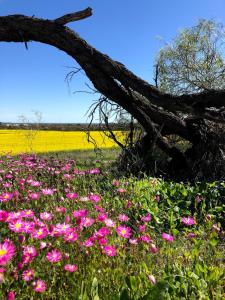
pixel 71 236
pixel 62 228
pixel 34 196
pixel 123 218
pixel 27 213
pixel 7 251
pixel 29 251
pixel 99 208
pixel 39 286
pixel 146 218
pixel 48 191
pixel 102 241
pixel 152 279
pixel 87 222
pixel 28 275
pixel 124 231
pixel 102 232
pixel 46 216
pixel 94 198
pixel 157 198
pixel 28 227
pixel 88 243
pixel 109 250
pixel 35 183
pixel 188 221
pixel 54 256
pixel 16 225
pixel 145 238
pixel 167 237
pixel 3 215
pixel 133 241
pixel 71 196
pixel 4 197
pixel 129 204
pixel 11 295
pixel 102 216
pixel 70 268
pixel 60 209
pixel 191 235
pixel 40 233
pixel 153 249
pixel 81 213
pixel 109 223
pixel 94 171
pixel 121 190
pixel 141 228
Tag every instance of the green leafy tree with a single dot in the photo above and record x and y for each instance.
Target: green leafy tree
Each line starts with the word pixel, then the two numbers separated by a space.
pixel 194 61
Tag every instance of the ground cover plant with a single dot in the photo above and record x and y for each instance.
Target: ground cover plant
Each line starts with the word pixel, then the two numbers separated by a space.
pixel 70 233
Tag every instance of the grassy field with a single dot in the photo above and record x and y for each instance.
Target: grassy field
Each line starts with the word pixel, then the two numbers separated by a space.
pixel 20 141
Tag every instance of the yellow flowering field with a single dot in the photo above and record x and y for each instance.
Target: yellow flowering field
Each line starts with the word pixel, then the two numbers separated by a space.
pixel 20 141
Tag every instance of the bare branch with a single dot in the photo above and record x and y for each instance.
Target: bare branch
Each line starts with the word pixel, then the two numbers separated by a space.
pixel 79 15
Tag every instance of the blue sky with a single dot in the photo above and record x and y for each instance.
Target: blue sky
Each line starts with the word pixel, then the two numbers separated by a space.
pixel 127 31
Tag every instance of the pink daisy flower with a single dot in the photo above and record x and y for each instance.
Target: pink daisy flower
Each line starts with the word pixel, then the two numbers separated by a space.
pixel 28 227
pixel 87 222
pixel 71 196
pixel 4 197
pixel 81 213
pixel 40 233
pixel 60 209
pixel 48 191
pixel 167 237
pixel 16 225
pixel 146 218
pixel 109 250
pixel 54 256
pixel 145 238
pixel 71 236
pixel 189 221
pixel 27 213
pixel 124 231
pixel 34 196
pixel 123 218
pixel 102 232
pixel 35 183
pixel 95 198
pixel 3 215
pixel 109 223
pixel 28 275
pixel 102 216
pixel 46 216
pixel 70 268
pixel 11 295
pixel 29 251
pixel 39 286
pixel 153 249
pixel 133 241
pixel 7 251
pixel 94 171
pixel 88 243
pixel 62 228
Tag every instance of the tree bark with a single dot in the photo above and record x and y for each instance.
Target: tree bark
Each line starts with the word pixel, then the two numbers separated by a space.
pixel 160 114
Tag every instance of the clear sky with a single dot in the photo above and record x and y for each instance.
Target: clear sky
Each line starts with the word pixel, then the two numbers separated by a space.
pixel 126 30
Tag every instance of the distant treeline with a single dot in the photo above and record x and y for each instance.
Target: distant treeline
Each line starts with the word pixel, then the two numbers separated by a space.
pixel 63 126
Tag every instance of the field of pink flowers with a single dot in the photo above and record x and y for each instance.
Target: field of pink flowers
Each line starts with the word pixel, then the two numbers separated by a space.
pixel 67 233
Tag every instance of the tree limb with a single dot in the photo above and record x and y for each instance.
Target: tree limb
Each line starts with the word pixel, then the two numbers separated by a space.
pixel 79 15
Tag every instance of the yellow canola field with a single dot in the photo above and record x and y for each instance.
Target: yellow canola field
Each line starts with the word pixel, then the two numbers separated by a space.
pixel 21 141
